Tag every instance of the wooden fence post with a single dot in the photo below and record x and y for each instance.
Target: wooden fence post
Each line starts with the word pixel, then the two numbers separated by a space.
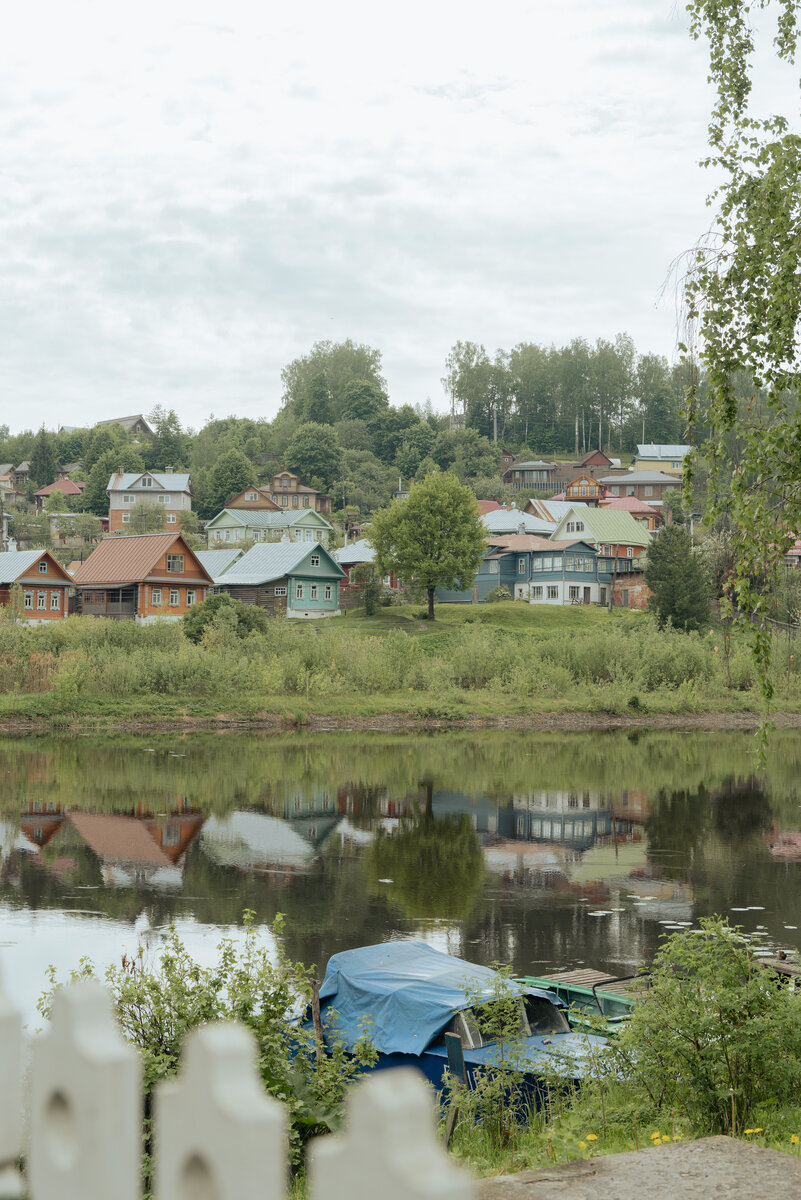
pixel 218 1135
pixel 86 1103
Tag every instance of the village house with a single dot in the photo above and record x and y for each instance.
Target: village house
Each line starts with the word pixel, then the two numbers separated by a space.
pixel 515 520
pixel 22 473
pixel 145 577
pixel 234 525
pixel 286 579
pixel 10 496
pixel 650 486
pixel 287 491
pixel 534 476
pixel 584 489
pixel 171 491
pixel 35 584
pixel 137 425
pixel 649 517
pixel 253 498
pixel 617 532
pixel 62 487
pixel 661 458
pixel 217 562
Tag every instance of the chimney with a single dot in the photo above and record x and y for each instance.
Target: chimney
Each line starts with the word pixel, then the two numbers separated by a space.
pixel 169 470
pixel 521 527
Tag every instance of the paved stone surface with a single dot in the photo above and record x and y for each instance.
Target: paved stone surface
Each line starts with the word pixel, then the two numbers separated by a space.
pixel 717 1168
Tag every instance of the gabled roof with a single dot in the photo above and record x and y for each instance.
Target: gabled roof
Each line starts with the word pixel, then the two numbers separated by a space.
pixel 539 463
pixel 518 542
pixel 121 560
pixel 356 552
pixel 550 510
pixel 631 477
pixel 15 563
pixel 273 560
pixel 610 525
pixel 24 466
pixel 257 518
pixel 509 520
pixel 217 562
pixel 653 450
pixel 128 422
pixel 168 481
pixel 486 506
pixel 630 504
pixel 65 486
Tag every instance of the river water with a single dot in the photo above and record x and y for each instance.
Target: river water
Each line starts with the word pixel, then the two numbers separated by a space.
pixel 545 851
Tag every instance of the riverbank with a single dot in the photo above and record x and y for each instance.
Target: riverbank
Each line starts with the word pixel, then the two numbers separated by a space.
pixel 507 666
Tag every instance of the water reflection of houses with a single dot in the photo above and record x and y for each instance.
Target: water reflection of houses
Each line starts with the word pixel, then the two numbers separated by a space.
pixel 138 849
pixel 256 841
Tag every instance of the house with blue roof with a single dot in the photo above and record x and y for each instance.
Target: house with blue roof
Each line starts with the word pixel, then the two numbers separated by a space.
pixel 234 525
pixel 289 579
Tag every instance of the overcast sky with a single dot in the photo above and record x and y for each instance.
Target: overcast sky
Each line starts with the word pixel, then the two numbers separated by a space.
pixel 194 192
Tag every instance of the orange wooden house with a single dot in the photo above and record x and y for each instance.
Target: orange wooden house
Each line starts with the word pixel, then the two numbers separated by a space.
pixel 142 578
pixel 37 582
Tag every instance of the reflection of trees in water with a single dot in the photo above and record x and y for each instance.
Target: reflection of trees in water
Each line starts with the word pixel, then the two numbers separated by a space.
pixel 675 828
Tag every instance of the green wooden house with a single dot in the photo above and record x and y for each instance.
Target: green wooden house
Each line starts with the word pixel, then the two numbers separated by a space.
pixel 234 525
pixel 286 579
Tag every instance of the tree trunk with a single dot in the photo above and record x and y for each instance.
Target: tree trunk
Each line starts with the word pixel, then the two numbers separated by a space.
pixel 430 603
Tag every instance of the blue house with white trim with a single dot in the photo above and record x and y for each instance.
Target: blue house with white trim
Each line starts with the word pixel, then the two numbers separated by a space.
pixel 285 579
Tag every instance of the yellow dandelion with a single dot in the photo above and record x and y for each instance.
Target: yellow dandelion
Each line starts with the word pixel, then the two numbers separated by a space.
pixel 655 1135
pixel 676 1138
pixel 583 1145
pixel 793 1139
pixel 592 1137
pixel 757 1130
pixel 748 1131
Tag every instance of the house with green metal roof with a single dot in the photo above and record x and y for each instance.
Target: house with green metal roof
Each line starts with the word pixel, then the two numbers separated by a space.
pixel 613 529
pixel 234 525
pixel 286 579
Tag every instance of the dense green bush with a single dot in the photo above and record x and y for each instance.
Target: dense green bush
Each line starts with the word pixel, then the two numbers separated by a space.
pixel 223 609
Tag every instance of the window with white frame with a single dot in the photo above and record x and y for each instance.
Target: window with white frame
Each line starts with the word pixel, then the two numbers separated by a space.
pixel 557 563
pixel 129 499
pixel 536 592
pixel 313 592
pixel 126 518
pixel 28 599
pixel 280 591
pixel 546 564
pixel 329 592
pixel 536 563
pixel 649 491
pixel 146 481
pixel 494 566
pixel 553 592
pixel 55 601
pixel 155 595
pixel 191 597
pixel 43 567
pixel 521 566
pixel 629 552
pixel 298 591
pixel 251 495
pixel 573 593
pixel 175 562
pixel 315 560
pixel 164 499
pixel 41 599
pixel 175 597
pixel 579 526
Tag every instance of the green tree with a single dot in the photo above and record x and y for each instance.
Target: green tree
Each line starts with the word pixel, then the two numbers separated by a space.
pixel 389 428
pixel 120 457
pixel 466 453
pixel 416 444
pixel 433 539
pixel 362 400
pixel 744 309
pixel 243 619
pixel 144 518
pixel 316 455
pixel 676 577
pixel 43 459
pixel 337 364
pixel 229 476
pixel 170 447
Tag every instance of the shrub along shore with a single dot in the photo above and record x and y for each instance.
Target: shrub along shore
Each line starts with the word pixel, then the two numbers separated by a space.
pixel 500 662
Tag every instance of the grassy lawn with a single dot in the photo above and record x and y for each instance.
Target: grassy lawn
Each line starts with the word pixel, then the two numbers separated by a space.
pixel 506 614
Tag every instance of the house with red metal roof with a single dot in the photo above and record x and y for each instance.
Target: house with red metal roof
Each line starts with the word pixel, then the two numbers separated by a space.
pixel 650 518
pixel 62 487
pixel 35 584
pixel 146 577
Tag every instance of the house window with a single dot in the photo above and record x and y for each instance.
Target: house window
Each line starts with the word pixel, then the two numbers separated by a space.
pixel 298 591
pixel 146 481
pixel 573 593
pixel 553 592
pixel 285 482
pixel 329 595
pixel 629 491
pixel 284 500
pixel 649 491
pixel 29 600
pixel 175 562
pixel 308 535
pixel 521 566
pixel 294 502
pixel 546 564
pixel 579 526
pixel 155 595
pixel 629 552
pixel 41 599
pixel 536 564
pixel 313 592
pixel 584 491
pixel 55 601
pixel 43 567
pixel 126 518
pixel 280 591
pixel 494 566
pixel 191 597
pixel 615 491
pixel 171 519
pixel 315 560
pixel 571 527
pixel 129 499
pixel 251 495
pixel 624 597
pixel 536 593
pixel 175 597
pixel 557 564
pixel 163 499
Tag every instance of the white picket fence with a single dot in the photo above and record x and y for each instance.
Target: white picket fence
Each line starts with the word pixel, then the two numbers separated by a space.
pixel 217 1134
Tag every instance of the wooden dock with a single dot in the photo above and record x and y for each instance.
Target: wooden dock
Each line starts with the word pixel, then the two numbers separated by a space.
pixel 585 977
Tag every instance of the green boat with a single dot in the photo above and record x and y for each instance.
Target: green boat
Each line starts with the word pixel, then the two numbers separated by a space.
pixel 589 1005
